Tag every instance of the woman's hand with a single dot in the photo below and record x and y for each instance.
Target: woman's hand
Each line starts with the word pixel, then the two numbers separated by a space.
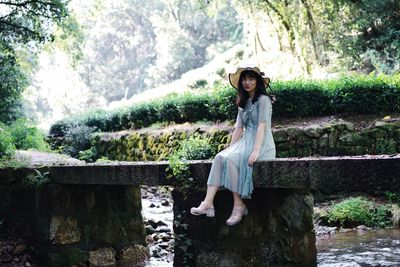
pixel 253 157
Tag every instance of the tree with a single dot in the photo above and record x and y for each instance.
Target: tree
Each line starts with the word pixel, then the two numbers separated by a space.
pixel 363 34
pixel 24 24
pixel 134 45
pixel 119 51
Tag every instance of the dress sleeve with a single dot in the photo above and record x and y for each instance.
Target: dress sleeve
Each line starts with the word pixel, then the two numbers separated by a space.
pixel 264 109
pixel 239 121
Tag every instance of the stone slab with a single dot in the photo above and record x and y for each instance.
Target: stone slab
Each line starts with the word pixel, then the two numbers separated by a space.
pixel 327 174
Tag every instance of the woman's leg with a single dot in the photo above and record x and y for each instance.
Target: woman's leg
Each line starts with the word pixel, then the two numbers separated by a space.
pixel 207 205
pixel 237 200
pixel 211 192
pixel 239 210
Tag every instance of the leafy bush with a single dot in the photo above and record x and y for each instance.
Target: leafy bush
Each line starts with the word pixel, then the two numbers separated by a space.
pixel 89 155
pixel 359 211
pixel 195 147
pixel 393 197
pixel 20 135
pixel 7 147
pixel 77 138
pixel 297 98
pixel 26 136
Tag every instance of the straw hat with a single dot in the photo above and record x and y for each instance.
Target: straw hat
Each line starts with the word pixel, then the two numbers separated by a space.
pixel 234 77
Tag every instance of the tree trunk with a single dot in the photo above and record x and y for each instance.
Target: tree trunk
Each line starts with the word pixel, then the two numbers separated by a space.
pixel 312 28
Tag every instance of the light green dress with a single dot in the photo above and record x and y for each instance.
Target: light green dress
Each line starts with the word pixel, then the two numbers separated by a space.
pixel 230 169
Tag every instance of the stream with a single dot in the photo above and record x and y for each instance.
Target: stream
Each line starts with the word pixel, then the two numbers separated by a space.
pixel 379 247
pixel 370 248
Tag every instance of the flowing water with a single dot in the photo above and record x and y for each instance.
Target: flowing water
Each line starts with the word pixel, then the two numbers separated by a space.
pixel 371 248
pixel 360 248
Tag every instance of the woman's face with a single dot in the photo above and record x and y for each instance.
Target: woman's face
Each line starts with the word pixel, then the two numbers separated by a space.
pixel 249 84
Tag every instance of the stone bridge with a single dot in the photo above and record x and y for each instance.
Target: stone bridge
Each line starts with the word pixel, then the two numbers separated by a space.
pixel 92 212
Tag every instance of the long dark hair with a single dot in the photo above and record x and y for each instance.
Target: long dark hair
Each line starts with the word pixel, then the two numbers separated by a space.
pixel 243 96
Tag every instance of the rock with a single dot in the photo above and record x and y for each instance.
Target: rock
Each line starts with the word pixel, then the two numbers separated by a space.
pixel 152 223
pixel 102 257
pixel 19 249
pixel 345 126
pixel 149 239
pixel 165 203
pixel 345 230
pixel 155 236
pixel 355 139
pixel 149 230
pixel 161 223
pixel 163 245
pixel 362 228
pixel 163 229
pixel 153 190
pixel 313 131
pixel 136 255
pixel 152 205
pixel 294 132
pixel 156 252
pixel 377 133
pixel 280 136
pixel 64 230
pixel 163 237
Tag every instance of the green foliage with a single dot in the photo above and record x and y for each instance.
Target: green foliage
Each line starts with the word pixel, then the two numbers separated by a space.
pixel 356 211
pixel 23 26
pixel 88 155
pixel 12 83
pixel 7 147
pixel 129 52
pixel 393 197
pixel 27 21
pixel 77 138
pixel 202 83
pixel 37 179
pixel 19 135
pixel 194 148
pixel 298 98
pixel 350 35
pixel 377 41
pixel 178 168
pixel 7 162
pixel 26 136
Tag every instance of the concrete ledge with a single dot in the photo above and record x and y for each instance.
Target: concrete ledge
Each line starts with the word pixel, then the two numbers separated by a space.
pixel 327 174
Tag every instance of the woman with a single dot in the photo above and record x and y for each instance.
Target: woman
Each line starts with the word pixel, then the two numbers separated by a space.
pixel 251 140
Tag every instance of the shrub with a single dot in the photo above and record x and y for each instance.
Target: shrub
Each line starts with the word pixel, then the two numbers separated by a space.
pixel 7 147
pixel 20 135
pixel 77 138
pixel 196 147
pixel 296 98
pixel 26 136
pixel 356 211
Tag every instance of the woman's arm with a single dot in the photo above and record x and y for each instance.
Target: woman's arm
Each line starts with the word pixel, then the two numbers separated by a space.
pixel 237 133
pixel 257 143
pixel 264 119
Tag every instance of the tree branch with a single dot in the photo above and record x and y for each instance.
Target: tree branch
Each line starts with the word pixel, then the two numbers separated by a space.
pixel 20 27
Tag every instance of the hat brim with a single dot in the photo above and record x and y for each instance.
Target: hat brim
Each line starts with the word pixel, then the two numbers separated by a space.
pixel 234 77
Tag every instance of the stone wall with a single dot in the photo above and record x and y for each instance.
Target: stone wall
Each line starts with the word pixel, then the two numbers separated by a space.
pixel 71 224
pixel 278 231
pixel 335 138
pixel 91 212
